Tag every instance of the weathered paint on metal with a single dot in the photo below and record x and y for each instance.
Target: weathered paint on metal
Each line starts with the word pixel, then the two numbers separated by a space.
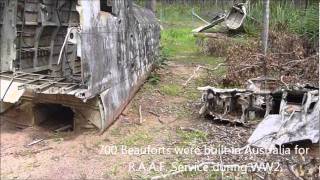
pixel 298 121
pixel 106 51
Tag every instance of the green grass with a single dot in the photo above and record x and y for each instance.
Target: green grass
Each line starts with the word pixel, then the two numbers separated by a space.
pixel 171 89
pixel 139 138
pixel 178 42
pixel 191 137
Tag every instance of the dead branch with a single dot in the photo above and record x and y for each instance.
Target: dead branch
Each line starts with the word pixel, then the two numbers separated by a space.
pixel 153 113
pixel 192 76
pixel 201 67
pixel 140 115
pixel 281 79
pixel 35 142
pixel 157 115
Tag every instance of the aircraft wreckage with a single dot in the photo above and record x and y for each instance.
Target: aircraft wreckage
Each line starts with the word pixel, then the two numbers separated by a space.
pixel 84 57
pixel 289 115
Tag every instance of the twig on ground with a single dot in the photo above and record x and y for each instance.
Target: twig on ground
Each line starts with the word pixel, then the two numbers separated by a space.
pixel 195 72
pixel 157 115
pixel 64 128
pixel 140 115
pixel 35 142
pixel 153 113
pixel 192 76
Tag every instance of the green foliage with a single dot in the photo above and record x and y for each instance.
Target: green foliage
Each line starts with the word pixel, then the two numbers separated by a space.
pixel 178 41
pixel 154 79
pixel 171 89
pixel 285 17
pixel 191 137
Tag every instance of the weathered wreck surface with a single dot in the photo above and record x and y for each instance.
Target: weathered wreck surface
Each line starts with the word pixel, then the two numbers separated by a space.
pixel 290 116
pixel 233 20
pixel 76 53
pixel 296 119
pixel 229 105
pixel 236 16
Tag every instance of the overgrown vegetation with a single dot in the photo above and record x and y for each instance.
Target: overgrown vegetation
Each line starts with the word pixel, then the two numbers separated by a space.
pixel 286 17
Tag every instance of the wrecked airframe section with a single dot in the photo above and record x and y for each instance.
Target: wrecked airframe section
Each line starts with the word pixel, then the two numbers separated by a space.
pixel 296 120
pixel 89 56
pixel 233 20
pixel 290 115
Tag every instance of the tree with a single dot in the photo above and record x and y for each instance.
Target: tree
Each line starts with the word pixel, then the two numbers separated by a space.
pixel 151 4
pixel 265 32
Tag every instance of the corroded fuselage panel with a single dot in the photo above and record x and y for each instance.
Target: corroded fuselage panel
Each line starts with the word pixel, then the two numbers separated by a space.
pixel 87 49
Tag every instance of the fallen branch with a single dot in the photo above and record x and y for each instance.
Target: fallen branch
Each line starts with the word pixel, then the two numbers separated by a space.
pixel 192 76
pixel 201 67
pixel 157 115
pixel 35 142
pixel 64 128
pixel 153 113
pixel 140 115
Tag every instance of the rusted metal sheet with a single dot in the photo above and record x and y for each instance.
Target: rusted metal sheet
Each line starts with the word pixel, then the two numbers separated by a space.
pixel 89 50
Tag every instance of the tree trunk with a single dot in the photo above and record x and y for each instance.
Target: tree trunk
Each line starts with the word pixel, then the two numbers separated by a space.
pixel 265 33
pixel 151 4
